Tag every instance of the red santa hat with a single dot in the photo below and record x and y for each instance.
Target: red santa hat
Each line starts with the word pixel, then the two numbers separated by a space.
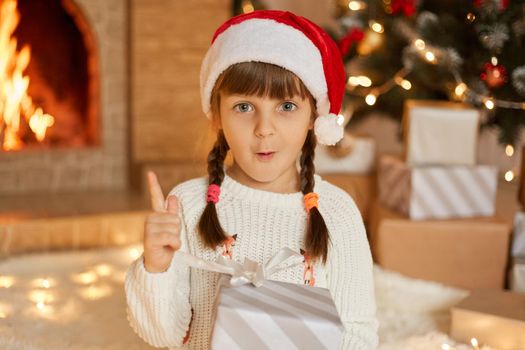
pixel 291 42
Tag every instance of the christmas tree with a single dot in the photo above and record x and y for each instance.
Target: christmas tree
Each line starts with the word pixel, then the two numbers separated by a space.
pixel 470 51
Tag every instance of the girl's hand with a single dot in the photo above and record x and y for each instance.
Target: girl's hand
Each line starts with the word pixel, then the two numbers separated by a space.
pixel 161 230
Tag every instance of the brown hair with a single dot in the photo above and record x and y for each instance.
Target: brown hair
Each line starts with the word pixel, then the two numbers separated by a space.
pixel 262 79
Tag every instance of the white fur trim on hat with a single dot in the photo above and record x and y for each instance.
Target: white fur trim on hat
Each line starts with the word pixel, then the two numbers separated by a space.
pixel 265 40
pixel 329 129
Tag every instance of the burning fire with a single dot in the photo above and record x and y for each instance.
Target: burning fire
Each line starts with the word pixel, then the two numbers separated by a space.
pixel 16 106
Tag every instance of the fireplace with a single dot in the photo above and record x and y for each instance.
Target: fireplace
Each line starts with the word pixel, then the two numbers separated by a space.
pixel 68 70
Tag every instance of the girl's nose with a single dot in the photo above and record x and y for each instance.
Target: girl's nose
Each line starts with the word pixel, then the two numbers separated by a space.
pixel 264 127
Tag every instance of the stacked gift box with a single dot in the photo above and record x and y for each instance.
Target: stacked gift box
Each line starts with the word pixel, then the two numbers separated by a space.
pixel 435 215
pixel 517 265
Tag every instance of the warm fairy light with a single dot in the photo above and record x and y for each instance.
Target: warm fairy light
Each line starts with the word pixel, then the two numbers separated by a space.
pixel 39 295
pixel 85 277
pixel 405 84
pixel 489 103
pixel 44 282
pixel 376 26
pixel 360 80
pixel 134 253
pixel 445 347
pixel 355 5
pixel 460 89
pixel 471 17
pixel 6 281
pixel 40 305
pixel 95 292
pixel 429 56
pixel 370 99
pixel 419 44
pixel 509 150
pixel 509 176
pixel 247 6
pixel 494 61
pixel 474 343
pixel 103 269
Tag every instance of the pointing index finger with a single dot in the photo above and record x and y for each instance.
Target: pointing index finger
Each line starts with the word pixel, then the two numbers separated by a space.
pixel 155 191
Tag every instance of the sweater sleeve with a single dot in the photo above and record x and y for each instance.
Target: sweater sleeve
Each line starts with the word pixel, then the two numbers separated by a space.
pixel 350 275
pixel 158 306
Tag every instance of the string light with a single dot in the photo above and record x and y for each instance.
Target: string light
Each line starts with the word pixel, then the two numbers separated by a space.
pixel 509 176
pixel 40 305
pixel 103 270
pixel 494 61
pixel 376 26
pixel 429 56
pixel 460 89
pixel 360 80
pixel 405 84
pixel 6 281
pixel 419 44
pixel 509 150
pixel 474 343
pixel 489 103
pixel 371 99
pixel 356 5
pixel 247 6
pixel 85 277
pixel 471 17
pixel 134 253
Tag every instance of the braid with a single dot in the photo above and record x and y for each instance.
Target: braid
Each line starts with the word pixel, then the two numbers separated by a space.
pixel 210 230
pixel 316 239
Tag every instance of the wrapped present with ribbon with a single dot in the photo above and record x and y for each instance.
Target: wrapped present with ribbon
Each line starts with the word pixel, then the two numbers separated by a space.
pixel 253 312
pixel 437 192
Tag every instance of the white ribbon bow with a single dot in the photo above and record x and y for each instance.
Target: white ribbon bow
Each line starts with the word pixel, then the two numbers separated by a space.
pixel 248 272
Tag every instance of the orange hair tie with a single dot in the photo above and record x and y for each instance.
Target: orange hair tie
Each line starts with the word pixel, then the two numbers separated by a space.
pixel 310 200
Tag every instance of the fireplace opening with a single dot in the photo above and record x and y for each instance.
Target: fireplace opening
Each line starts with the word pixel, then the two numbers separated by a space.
pixel 52 71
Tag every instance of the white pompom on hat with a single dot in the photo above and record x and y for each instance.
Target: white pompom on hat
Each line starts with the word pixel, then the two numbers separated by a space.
pixel 291 42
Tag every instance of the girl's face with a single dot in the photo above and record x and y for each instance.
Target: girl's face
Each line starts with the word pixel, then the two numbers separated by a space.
pixel 265 137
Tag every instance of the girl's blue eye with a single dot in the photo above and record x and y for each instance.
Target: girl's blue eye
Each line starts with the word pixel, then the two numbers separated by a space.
pixel 288 106
pixel 243 107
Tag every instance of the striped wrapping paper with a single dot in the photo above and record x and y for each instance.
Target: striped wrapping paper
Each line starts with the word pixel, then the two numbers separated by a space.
pixel 437 192
pixel 518 236
pixel 277 315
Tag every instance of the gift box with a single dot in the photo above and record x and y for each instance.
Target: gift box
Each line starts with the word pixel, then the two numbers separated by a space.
pixel 276 315
pixel 437 192
pixel 517 275
pixel 495 318
pixel 356 155
pixel 464 253
pixel 362 189
pixel 439 132
pixel 518 236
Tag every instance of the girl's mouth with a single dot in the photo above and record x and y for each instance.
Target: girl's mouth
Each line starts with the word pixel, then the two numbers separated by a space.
pixel 265 156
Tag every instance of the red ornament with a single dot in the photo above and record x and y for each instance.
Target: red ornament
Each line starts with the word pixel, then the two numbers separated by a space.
pixel 353 35
pixel 408 7
pixel 502 5
pixel 494 75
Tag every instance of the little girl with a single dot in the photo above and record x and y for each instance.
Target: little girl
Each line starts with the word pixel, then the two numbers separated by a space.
pixel 272 84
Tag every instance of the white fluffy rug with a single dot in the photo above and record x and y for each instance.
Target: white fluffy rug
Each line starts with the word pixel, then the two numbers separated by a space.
pixel 83 306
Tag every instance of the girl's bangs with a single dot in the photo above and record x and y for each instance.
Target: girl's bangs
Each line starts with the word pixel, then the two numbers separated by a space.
pixel 261 79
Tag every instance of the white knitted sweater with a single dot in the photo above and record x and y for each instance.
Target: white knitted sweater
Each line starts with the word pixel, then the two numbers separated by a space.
pixel 159 304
